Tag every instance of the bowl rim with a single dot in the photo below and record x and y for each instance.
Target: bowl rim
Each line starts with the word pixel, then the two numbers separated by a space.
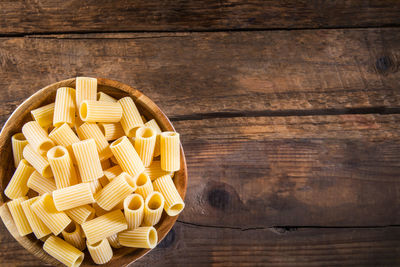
pixel 34 101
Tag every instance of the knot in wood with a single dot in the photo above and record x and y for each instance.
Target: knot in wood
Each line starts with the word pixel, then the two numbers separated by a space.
pixel 219 198
pixel 384 65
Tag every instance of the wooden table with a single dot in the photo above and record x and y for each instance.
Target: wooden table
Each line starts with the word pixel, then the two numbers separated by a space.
pixel 289 113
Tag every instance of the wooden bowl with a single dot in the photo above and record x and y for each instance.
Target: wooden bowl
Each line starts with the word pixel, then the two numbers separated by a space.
pixel 148 108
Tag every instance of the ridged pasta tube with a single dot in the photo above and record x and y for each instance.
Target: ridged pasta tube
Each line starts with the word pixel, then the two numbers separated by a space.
pixel 100 111
pixel 101 252
pixel 62 167
pixel 142 237
pixel 145 142
pixel 18 215
pixel 44 115
pixel 153 208
pixel 65 136
pixel 40 184
pixel 38 227
pixel 86 89
pixel 73 235
pixel 173 201
pixel 113 172
pixel 39 162
pixel 113 240
pixel 127 156
pixel 170 151
pixel 115 192
pixel 154 170
pixel 95 186
pixel 37 137
pixel 131 118
pixel 153 124
pixel 88 160
pixel 104 226
pixel 18 142
pixel 64 110
pixel 92 131
pixel 104 97
pixel 81 214
pixel 144 185
pixel 55 220
pixel 17 187
pixel 111 131
pixel 134 210
pixel 63 251
pixel 72 196
pixel 105 164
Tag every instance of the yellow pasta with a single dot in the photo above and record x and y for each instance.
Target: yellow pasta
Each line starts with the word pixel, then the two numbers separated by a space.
pixel 101 252
pixel 127 156
pixel 170 151
pixel 73 196
pixel 103 182
pixel 17 187
pixel 38 161
pixel 86 89
pixel 73 235
pixel 92 131
pixel 104 226
pixel 134 210
pixel 153 124
pixel 130 119
pixel 18 142
pixel 64 110
pixel 114 160
pixel 62 167
pixel 78 122
pixel 104 97
pixel 115 192
pixel 113 240
pixel 63 251
pixel 154 171
pixel 144 185
pixel 40 184
pixel 142 237
pixel 145 142
pixel 38 227
pixel 100 111
pixel 37 137
pixel 18 215
pixel 113 172
pixel 95 186
pixel 111 131
pixel 105 164
pixel 81 214
pixel 88 160
pixel 153 208
pixel 44 115
pixel 64 136
pixel 173 201
pixel 55 220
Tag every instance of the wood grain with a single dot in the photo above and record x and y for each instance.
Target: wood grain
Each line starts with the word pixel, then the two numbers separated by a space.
pixel 217 74
pixel 101 15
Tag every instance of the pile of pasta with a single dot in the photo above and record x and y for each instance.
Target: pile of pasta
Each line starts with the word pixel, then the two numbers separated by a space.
pixel 100 174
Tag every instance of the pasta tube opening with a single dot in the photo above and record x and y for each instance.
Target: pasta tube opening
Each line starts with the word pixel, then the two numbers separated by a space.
pixel 152 237
pixel 83 111
pixel 133 202
pixel 145 132
pixel 155 201
pixel 19 137
pixel 57 152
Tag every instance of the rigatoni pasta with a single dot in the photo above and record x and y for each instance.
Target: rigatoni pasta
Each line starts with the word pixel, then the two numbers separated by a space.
pixel 113 240
pixel 38 227
pixel 153 124
pixel 92 131
pixel 153 208
pixel 37 137
pixel 104 97
pixel 154 170
pixel 145 142
pixel 19 217
pixel 64 110
pixel 131 119
pixel 62 167
pixel 134 210
pixel 142 237
pixel 170 151
pixel 100 111
pixel 144 185
pixel 86 89
pixel 73 196
pixel 127 156
pixel 95 185
pixel 111 131
pixel 81 214
pixel 18 142
pixel 73 235
pixel 63 251
pixel 39 162
pixel 65 136
pixel 113 172
pixel 173 201
pixel 42 185
pixel 101 252
pixel 44 115
pixel 17 187
pixel 88 160
pixel 104 226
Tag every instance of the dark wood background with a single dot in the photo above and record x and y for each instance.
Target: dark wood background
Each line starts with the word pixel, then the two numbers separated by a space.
pixel 289 113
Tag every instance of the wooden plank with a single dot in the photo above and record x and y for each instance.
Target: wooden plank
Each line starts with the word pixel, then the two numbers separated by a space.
pixel 296 171
pixel 241 72
pixel 188 245
pixel 61 16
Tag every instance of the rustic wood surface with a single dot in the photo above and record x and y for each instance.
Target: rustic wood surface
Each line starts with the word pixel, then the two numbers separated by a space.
pixel 292 136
